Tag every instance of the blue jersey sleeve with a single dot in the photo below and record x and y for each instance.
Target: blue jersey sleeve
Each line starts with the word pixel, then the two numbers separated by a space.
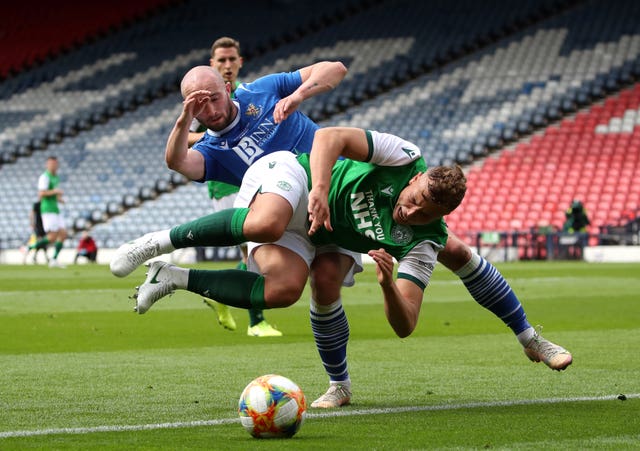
pixel 284 83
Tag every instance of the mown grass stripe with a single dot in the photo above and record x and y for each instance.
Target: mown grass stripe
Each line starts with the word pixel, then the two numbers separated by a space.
pixel 331 414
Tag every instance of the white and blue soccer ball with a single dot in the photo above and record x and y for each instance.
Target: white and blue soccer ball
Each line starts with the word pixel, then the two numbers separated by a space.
pixel 272 406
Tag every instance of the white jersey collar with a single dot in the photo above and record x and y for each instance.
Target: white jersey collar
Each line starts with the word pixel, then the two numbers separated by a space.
pixel 233 123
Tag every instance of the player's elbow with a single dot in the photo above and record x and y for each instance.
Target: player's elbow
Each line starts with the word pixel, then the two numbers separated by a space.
pixel 403 327
pixel 170 160
pixel 177 167
pixel 334 72
pixel 340 69
pixel 171 164
pixel 191 171
pixel 404 331
pixel 402 324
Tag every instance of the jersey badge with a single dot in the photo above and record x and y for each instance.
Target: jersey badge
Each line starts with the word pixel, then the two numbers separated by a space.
pixel 401 234
pixel 252 110
pixel 284 186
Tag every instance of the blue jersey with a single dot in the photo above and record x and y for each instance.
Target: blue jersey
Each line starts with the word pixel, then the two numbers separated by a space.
pixel 253 133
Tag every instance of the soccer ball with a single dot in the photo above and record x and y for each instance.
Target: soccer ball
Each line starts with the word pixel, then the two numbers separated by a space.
pixel 272 406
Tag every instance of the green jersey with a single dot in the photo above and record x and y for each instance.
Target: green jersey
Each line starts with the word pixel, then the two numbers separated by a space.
pixel 48 181
pixel 218 190
pixel 362 198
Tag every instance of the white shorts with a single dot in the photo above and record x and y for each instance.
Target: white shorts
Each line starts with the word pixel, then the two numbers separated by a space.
pixel 280 173
pixel 52 222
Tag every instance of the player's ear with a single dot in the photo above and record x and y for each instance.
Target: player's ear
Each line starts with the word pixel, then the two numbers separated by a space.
pixel 415 178
pixel 227 87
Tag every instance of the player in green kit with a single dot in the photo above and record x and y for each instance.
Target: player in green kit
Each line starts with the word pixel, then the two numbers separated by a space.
pixel 52 221
pixel 386 204
pixel 226 59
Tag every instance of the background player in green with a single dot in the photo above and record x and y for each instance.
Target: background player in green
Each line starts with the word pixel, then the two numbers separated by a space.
pixel 37 235
pixel 50 196
pixel 226 59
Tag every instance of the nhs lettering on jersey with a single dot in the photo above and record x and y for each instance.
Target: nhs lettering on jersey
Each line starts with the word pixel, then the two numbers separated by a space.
pixel 249 148
pixel 366 215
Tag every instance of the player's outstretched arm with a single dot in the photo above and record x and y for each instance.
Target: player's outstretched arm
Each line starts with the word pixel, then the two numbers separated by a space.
pixel 316 79
pixel 328 145
pixel 402 298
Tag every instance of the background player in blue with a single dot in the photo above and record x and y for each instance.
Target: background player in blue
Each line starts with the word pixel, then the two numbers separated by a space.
pixel 37 234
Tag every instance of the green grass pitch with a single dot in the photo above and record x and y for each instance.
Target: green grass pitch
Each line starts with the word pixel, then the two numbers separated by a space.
pixel 80 370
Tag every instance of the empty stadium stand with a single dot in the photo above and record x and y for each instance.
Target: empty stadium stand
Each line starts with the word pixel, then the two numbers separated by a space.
pixel 593 156
pixel 539 103
pixel 35 32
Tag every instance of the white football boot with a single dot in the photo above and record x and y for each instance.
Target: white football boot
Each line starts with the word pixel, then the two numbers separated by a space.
pixel 159 283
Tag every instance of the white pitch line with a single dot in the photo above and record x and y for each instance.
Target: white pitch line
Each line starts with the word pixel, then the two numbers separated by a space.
pixel 471 405
pixel 336 413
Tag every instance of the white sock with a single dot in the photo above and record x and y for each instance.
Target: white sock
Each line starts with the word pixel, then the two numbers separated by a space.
pixel 318 308
pixel 525 336
pixel 179 276
pixel 164 241
pixel 470 266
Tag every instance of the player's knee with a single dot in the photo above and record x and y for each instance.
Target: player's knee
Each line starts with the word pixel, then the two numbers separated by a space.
pixel 264 230
pixel 325 287
pixel 455 254
pixel 327 275
pixel 283 295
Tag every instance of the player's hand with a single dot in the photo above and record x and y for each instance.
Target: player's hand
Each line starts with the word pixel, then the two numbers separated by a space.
pixel 195 102
pixel 384 266
pixel 318 209
pixel 285 107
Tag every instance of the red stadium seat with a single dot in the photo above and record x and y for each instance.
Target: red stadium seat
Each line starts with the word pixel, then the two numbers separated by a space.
pixel 538 179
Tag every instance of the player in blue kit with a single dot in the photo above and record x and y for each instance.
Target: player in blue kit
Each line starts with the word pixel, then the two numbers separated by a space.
pixel 262 118
pixel 252 124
